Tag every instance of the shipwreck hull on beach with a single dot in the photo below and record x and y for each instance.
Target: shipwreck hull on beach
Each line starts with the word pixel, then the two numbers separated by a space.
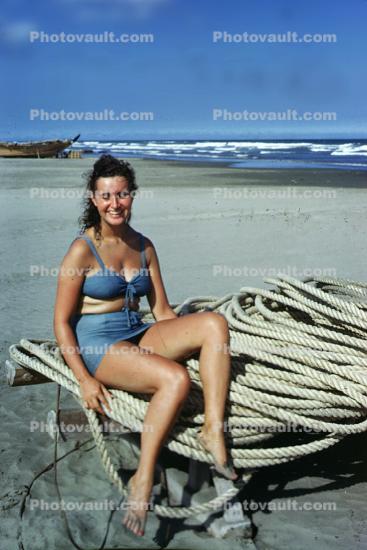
pixel 33 149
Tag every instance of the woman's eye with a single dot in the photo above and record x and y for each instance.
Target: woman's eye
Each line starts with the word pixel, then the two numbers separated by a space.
pixel 121 195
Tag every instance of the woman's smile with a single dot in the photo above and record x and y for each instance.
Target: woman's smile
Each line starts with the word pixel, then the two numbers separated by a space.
pixel 115 214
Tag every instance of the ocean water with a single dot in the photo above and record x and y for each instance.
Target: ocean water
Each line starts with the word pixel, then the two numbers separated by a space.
pixel 336 154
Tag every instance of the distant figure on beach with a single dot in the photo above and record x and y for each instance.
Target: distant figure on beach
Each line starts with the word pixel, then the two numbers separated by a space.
pixel 104 341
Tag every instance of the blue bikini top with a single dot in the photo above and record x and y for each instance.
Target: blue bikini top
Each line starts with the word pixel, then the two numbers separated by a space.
pixel 107 283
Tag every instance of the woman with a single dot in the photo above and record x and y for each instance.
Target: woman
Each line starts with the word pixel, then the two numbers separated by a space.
pixel 104 341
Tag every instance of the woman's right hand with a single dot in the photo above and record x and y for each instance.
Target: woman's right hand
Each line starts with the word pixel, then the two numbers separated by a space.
pixel 93 394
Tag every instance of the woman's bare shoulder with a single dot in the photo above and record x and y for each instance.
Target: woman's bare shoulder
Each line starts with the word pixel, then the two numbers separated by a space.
pixel 148 246
pixel 147 242
pixel 150 251
pixel 78 251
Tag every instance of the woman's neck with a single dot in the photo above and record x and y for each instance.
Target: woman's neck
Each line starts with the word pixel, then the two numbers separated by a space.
pixel 117 233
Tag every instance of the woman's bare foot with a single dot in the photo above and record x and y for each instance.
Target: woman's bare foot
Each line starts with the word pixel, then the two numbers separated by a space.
pixel 212 439
pixel 137 505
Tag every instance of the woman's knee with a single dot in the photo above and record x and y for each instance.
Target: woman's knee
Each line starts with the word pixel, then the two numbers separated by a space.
pixel 216 324
pixel 177 380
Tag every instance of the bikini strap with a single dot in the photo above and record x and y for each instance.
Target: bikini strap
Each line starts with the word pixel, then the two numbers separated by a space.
pixel 93 249
pixel 98 257
pixel 142 252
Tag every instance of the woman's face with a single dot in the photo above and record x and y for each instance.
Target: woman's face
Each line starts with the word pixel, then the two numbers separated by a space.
pixel 113 199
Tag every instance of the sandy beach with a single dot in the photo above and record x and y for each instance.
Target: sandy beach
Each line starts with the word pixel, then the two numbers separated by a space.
pixel 216 229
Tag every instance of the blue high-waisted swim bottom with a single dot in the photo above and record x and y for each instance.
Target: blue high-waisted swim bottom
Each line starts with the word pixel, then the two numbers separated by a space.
pixel 95 332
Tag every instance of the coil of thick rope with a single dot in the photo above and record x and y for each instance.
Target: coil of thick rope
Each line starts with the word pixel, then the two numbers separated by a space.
pixel 298 355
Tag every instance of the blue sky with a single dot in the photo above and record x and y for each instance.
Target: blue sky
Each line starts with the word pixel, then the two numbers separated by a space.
pixel 182 76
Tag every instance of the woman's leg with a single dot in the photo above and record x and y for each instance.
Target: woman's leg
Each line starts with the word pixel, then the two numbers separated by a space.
pixel 129 368
pixel 208 332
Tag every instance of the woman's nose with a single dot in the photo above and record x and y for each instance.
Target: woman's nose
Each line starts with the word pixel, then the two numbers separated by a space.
pixel 114 201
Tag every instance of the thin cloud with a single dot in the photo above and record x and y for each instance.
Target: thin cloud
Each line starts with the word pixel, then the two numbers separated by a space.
pixel 112 9
pixel 15 34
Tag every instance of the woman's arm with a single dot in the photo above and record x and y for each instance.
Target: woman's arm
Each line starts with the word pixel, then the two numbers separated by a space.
pixel 157 297
pixel 70 280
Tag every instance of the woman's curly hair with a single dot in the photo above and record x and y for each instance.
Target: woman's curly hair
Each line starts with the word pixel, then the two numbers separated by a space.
pixel 106 166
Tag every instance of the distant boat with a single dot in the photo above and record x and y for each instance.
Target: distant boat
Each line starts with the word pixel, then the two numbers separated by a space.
pixel 37 149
